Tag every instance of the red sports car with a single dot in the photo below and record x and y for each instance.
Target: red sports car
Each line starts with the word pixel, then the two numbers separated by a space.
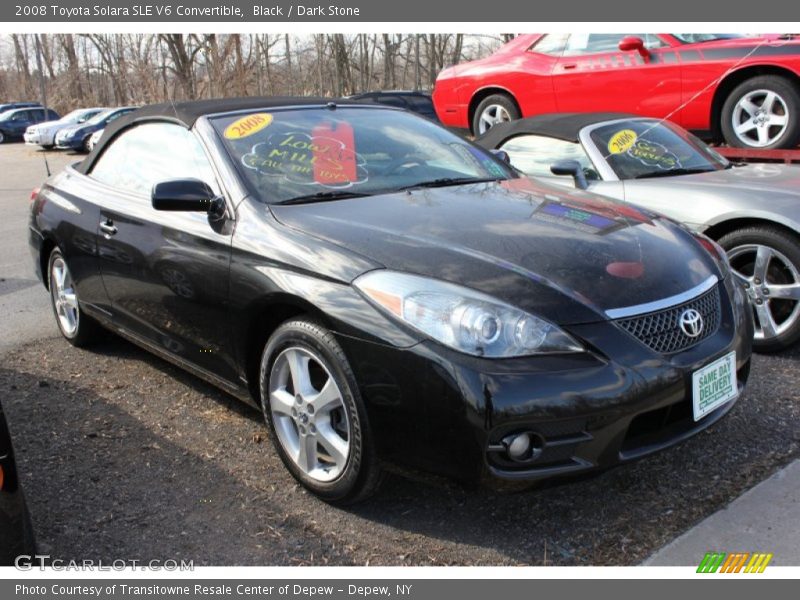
pixel 745 91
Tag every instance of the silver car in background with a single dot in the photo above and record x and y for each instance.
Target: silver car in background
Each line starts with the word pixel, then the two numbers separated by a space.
pixel 752 211
pixel 44 134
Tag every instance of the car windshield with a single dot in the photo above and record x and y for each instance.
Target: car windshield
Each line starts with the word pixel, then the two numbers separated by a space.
pixel 696 38
pixel 637 149
pixel 319 153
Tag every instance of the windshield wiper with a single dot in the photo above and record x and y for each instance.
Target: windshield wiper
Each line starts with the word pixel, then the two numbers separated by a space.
pixel 672 172
pixel 446 181
pixel 323 196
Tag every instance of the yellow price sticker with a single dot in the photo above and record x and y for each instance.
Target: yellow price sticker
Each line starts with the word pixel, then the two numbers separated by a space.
pixel 247 126
pixel 622 141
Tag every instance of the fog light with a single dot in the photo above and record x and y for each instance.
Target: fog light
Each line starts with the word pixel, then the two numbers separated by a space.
pixel 525 446
pixel 519 446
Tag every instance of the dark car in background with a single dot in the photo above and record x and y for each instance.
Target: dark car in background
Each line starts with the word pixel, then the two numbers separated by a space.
pixel 77 137
pixel 14 122
pixel 413 100
pixel 16 533
pixel 386 291
pixel 11 105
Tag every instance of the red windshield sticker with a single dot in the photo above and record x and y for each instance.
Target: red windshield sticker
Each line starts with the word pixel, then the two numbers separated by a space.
pixel 333 147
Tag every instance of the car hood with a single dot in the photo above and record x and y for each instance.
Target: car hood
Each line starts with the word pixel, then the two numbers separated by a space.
pixel 763 190
pixel 567 256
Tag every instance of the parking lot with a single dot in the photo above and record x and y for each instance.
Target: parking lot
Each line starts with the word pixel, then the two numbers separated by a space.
pixel 124 456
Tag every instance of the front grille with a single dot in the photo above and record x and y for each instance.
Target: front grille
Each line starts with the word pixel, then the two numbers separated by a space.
pixel 661 330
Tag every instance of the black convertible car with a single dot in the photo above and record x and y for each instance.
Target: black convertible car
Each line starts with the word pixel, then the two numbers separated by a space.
pixel 16 533
pixel 387 292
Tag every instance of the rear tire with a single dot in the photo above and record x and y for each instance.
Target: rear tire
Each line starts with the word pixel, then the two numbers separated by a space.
pixel 762 112
pixel 78 329
pixel 2 137
pixel 767 259
pixel 494 109
pixel 318 425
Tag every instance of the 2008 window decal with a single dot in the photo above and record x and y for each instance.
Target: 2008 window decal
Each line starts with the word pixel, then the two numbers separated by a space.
pixel 653 154
pixel 303 159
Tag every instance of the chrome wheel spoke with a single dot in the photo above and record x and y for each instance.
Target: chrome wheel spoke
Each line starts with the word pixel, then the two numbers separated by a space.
pixel 778 120
pixel 282 402
pixel 785 292
pixel 769 102
pixel 745 127
pixel 333 444
pixel 307 453
pixel 301 378
pixel 71 300
pixel 763 136
pixel 766 320
pixel 328 397
pixel 747 106
pixel 763 257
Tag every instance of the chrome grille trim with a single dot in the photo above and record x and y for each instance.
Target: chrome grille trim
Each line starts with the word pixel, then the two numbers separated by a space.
pixel 648 307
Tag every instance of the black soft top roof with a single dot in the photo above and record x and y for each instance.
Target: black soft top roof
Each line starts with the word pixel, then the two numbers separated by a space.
pixel 562 126
pixel 186 113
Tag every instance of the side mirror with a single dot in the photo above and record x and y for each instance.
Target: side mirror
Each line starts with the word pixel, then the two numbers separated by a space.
pixel 631 43
pixel 502 155
pixel 186 195
pixel 572 168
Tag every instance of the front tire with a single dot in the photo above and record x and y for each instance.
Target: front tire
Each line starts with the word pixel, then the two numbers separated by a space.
pixel 77 328
pixel 767 260
pixel 317 421
pixel 2 137
pixel 762 112
pixel 86 146
pixel 492 110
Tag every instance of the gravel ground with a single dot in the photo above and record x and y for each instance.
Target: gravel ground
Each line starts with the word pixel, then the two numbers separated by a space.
pixel 124 456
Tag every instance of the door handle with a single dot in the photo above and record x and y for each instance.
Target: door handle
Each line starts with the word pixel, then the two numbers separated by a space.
pixel 108 228
pixel 570 66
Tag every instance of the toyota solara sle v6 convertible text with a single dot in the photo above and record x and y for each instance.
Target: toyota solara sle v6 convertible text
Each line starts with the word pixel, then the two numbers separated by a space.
pixel 389 293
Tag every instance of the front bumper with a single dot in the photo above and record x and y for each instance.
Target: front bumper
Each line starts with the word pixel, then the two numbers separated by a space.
pixel 36 139
pixel 441 411
pixel 69 144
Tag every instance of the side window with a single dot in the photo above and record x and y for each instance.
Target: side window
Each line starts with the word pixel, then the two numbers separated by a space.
pixel 533 155
pixel 23 115
pixel 142 156
pixel 595 43
pixel 552 44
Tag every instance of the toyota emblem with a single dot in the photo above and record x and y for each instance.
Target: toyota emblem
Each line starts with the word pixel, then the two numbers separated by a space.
pixel 691 322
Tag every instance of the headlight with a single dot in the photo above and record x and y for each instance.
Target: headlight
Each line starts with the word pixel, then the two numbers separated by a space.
pixel 463 319
pixel 716 251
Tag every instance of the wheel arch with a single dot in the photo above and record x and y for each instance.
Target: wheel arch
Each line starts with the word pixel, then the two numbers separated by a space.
pixel 483 93
pixel 260 321
pixel 46 249
pixel 731 80
pixel 724 227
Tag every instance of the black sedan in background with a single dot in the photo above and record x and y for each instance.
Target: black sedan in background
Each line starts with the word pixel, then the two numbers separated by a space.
pixel 385 291
pixel 16 533
pixel 413 100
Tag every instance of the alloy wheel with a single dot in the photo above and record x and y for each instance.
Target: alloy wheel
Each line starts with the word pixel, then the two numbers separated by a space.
pixel 309 414
pixel 760 118
pixel 773 285
pixel 492 115
pixel 65 298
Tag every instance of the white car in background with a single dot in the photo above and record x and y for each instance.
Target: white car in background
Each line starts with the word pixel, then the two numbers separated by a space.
pixel 44 134
pixel 95 138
